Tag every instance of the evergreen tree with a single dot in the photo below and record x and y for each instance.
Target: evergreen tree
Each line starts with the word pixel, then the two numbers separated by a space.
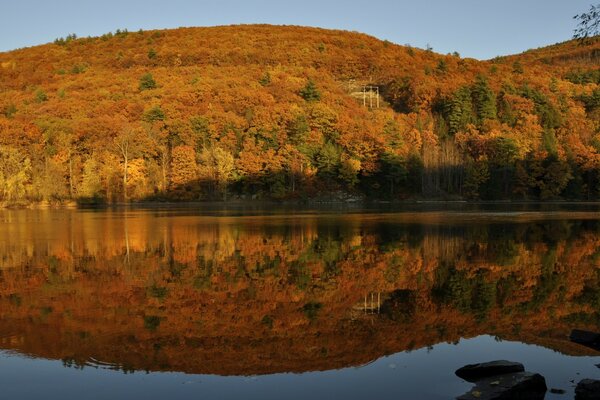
pixel 41 96
pixel 459 110
pixel 154 114
pixel 265 79
pixel 484 100
pixel 310 92
pixel 147 82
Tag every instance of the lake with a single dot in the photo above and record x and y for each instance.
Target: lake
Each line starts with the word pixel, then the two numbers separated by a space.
pixel 257 303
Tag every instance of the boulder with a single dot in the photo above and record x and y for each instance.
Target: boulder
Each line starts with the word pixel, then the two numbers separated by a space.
pixel 475 372
pixel 515 386
pixel 588 389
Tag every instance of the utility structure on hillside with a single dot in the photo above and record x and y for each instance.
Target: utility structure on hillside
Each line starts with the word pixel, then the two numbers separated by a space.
pixel 367 93
pixel 370 93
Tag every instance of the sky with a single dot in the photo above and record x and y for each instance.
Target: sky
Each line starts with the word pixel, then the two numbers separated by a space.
pixel 480 29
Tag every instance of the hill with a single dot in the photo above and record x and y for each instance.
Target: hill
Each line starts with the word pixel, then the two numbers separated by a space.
pixel 279 112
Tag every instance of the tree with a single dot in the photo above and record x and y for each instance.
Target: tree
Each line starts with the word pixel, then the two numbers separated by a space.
pixel 328 160
pixel 15 174
pixel 127 147
pixel 484 100
pixel 394 172
pixel 459 110
pixel 147 82
pixel 91 184
pixel 183 163
pixel 588 23
pixel 310 92
pixel 349 169
pixel 265 80
pixel 40 96
pixel 10 110
pixel 154 114
pixel 216 168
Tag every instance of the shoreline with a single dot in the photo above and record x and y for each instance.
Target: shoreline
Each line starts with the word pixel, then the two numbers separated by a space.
pixel 74 205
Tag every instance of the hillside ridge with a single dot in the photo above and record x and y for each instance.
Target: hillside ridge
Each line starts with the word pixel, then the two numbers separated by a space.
pixel 262 111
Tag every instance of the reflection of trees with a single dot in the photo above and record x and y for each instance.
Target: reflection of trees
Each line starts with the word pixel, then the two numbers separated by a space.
pixel 205 287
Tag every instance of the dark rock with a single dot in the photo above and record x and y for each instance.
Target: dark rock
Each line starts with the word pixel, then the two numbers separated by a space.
pixel 588 389
pixel 517 386
pixel 475 372
pixel 557 391
pixel 586 338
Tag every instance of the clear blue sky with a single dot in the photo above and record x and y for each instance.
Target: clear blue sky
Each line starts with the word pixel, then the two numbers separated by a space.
pixel 475 28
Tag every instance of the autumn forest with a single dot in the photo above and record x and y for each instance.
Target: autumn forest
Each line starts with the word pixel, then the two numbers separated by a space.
pixel 288 113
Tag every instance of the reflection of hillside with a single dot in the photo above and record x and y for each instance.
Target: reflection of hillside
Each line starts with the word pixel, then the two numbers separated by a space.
pixel 267 294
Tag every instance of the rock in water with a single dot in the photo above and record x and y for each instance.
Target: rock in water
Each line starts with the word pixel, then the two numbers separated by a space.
pixel 475 372
pixel 588 389
pixel 516 386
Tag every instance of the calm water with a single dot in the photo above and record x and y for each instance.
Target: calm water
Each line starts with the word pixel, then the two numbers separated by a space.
pixel 224 304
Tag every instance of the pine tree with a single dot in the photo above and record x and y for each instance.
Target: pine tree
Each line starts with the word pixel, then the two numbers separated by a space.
pixel 459 110
pixel 147 82
pixel 310 92
pixel 484 100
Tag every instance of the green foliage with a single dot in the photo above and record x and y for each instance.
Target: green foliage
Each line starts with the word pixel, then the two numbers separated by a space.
pixel 265 80
pixel 152 54
pixel 158 292
pixel 348 171
pixel 10 110
pixel 121 33
pixel 550 117
pixel 394 172
pixel 310 92
pixel 78 69
pixel 328 160
pixel 458 110
pixel 201 129
pixel 311 310
pixel 401 306
pixel 442 66
pixel 40 96
pixel 550 142
pixel 414 167
pixel 64 41
pixel 468 294
pixel 147 82
pixel 267 321
pixel 477 174
pixel 154 114
pixel 592 101
pixel 298 129
pixel 484 99
pixel 506 113
pixel 583 77
pixel 518 68
pixel 152 322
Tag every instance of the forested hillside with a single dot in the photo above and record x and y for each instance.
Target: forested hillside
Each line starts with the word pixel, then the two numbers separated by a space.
pixel 277 112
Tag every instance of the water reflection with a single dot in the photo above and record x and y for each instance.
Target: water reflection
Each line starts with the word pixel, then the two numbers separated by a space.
pixel 174 291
